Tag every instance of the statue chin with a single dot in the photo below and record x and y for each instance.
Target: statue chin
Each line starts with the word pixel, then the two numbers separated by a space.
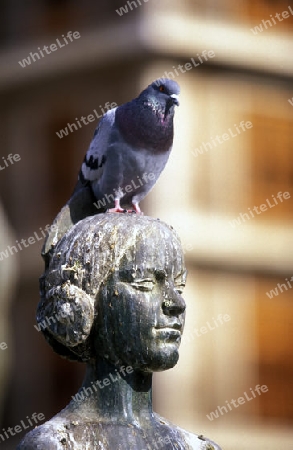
pixel 145 356
pixel 157 362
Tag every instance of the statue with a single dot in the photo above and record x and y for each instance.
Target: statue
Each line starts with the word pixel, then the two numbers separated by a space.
pixel 111 293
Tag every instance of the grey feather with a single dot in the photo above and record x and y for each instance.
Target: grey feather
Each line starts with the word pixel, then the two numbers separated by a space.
pixel 97 148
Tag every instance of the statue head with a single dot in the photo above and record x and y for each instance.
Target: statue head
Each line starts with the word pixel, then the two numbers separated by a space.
pixel 112 289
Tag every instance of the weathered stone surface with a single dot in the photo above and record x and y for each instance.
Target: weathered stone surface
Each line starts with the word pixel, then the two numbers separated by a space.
pixel 80 205
pixel 113 286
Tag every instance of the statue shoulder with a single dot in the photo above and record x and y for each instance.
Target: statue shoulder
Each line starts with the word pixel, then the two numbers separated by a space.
pixel 199 442
pixel 52 435
pixel 194 441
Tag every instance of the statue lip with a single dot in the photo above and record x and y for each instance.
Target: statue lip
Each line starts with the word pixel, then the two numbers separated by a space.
pixel 175 326
pixel 169 333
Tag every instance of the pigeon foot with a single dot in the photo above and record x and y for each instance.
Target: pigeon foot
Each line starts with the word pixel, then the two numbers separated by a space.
pixel 117 210
pixel 137 209
pixel 134 211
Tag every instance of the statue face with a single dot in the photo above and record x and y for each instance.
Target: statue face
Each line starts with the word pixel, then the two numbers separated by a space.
pixel 140 309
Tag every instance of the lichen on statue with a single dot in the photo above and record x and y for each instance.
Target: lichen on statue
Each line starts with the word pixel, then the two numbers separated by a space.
pixel 113 285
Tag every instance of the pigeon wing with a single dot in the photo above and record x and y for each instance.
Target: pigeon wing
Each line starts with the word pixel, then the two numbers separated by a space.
pixel 81 203
pixel 93 165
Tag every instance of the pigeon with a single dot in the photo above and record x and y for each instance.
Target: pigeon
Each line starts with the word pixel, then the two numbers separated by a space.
pixel 126 156
pixel 130 148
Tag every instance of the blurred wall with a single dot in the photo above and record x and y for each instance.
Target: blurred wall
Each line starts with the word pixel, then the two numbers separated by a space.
pixel 232 153
pixel 8 280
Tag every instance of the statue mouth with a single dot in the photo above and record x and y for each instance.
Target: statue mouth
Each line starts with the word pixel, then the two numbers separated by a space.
pixel 172 325
pixel 169 333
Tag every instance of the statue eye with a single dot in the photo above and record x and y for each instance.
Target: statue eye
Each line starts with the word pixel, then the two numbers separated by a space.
pixel 179 282
pixel 162 88
pixel 179 288
pixel 143 284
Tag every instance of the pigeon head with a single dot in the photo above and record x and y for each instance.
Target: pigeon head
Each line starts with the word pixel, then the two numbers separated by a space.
pixel 162 95
pixel 166 90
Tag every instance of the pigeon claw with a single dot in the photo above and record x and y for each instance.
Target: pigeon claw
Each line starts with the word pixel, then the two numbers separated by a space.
pixel 137 209
pixel 117 210
pixel 133 211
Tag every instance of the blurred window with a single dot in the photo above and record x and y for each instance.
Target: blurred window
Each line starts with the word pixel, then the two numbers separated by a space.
pixel 274 331
pixel 258 10
pixel 272 163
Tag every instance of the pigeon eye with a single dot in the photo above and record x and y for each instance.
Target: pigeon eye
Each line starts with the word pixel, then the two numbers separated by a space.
pixel 162 88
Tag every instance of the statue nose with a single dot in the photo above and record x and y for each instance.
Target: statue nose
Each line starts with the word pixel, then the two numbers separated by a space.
pixel 173 303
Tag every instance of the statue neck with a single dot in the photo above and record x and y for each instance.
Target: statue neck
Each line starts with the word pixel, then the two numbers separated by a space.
pixel 116 393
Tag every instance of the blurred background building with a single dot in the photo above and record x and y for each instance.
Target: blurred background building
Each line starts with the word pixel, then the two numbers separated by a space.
pixel 235 255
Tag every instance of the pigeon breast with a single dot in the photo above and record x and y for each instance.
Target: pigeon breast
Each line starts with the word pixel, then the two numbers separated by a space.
pixel 144 124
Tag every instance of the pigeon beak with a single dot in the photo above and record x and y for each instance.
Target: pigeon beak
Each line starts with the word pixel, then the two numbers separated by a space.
pixel 175 99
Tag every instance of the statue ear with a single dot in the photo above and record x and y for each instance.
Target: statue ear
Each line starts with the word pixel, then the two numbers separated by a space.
pixel 67 313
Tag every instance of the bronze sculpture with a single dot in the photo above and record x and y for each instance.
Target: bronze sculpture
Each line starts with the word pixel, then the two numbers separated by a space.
pixel 113 285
